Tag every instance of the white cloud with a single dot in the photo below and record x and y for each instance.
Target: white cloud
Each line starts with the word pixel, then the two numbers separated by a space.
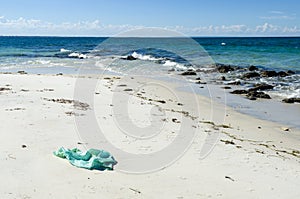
pixel 276 12
pixel 278 15
pixel 22 26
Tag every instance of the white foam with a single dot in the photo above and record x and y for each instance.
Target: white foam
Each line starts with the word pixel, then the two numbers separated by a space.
pixel 78 55
pixel 62 50
pixel 174 65
pixel 143 57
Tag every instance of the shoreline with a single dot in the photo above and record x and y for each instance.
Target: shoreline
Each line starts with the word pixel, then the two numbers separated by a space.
pixel 246 157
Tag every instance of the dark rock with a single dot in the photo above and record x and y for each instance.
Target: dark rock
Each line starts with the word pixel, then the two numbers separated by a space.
pixel 234 83
pixel 269 73
pixel 239 92
pixel 261 87
pixel 255 94
pixel 226 87
pixel 290 72
pixel 223 78
pixel 291 100
pixel 223 68
pixel 130 58
pixel 252 68
pixel 189 73
pixel 250 75
pixel 198 78
pixel 199 82
pixel 282 74
pixel 22 72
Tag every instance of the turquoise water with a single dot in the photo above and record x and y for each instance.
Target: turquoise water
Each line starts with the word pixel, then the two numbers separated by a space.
pixel 271 53
pixel 154 55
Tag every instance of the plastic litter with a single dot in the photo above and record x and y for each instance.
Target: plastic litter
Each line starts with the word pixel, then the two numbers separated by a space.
pixel 92 159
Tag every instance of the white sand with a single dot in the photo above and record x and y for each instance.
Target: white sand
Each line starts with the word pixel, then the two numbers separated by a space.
pixel 255 163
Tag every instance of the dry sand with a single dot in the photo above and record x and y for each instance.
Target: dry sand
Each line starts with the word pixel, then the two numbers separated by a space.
pixel 247 157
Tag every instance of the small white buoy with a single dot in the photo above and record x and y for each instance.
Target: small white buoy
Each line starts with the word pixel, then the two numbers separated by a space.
pixel 223 44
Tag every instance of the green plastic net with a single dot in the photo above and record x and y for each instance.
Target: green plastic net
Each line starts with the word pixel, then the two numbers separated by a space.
pixel 92 159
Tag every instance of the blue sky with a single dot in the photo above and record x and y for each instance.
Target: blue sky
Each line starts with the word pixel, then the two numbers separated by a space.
pixel 191 17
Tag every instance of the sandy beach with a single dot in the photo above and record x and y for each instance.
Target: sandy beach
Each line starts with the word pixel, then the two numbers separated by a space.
pixel 220 153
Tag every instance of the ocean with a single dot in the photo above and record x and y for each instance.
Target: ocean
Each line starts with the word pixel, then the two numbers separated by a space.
pixel 155 56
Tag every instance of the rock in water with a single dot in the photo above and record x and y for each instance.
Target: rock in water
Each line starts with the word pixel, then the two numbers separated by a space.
pixel 130 58
pixel 282 74
pixel 261 87
pixel 252 68
pixel 239 92
pixel 222 68
pixel 255 94
pixel 250 75
pixel 269 73
pixel 291 100
pixel 189 73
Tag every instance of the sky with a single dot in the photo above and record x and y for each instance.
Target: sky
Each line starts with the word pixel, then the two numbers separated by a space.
pixel 189 17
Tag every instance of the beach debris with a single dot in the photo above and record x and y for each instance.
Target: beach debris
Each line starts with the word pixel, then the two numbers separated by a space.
pixel 161 101
pixel 24 90
pixel 259 151
pixel 128 89
pixel 228 142
pixel 76 104
pixel 5 89
pixel 285 129
pixel 229 178
pixel 135 190
pixel 48 89
pixel 122 85
pixel 175 120
pixel 91 159
pixel 291 100
pixel 14 109
pixel 11 156
pixel 70 113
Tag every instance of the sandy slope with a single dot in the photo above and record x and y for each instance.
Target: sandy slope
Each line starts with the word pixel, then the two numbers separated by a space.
pixel 230 155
